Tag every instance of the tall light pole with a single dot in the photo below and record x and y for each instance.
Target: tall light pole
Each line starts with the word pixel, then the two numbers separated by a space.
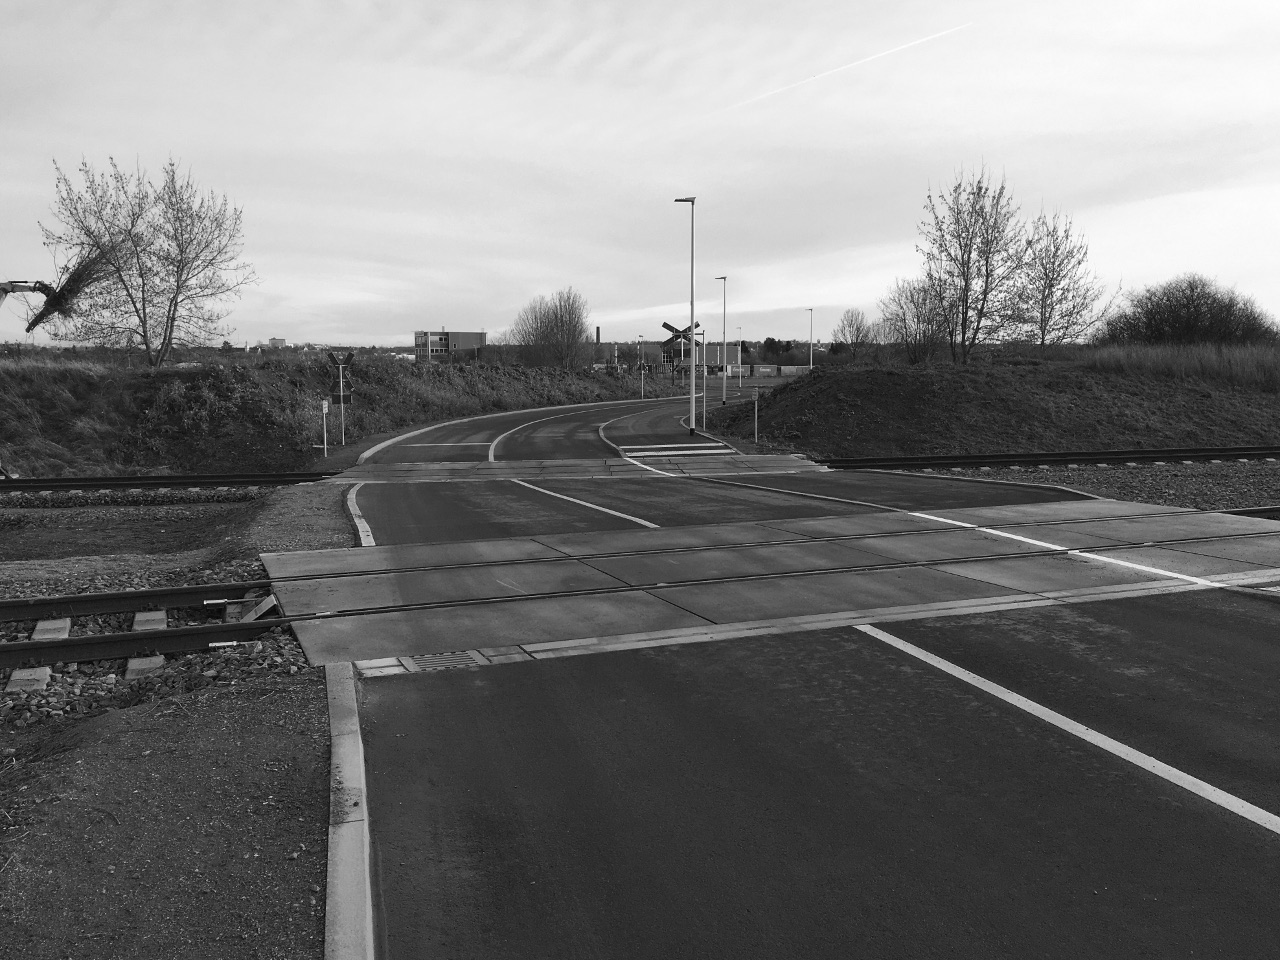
pixel 739 359
pixel 693 348
pixel 724 340
pixel 810 339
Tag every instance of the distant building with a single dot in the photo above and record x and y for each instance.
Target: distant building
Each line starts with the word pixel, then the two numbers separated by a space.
pixel 276 343
pixel 446 345
pixel 677 354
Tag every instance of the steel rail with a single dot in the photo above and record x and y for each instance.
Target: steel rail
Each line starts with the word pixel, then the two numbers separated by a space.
pixel 125 601
pixel 1085 457
pixel 179 481
pixel 206 636
pixel 164 598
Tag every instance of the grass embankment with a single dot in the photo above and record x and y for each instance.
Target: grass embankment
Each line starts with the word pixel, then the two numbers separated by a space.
pixel 1113 398
pixel 80 417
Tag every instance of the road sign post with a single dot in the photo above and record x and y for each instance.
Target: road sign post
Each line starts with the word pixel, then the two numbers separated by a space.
pixel 343 394
pixel 324 424
pixel 756 399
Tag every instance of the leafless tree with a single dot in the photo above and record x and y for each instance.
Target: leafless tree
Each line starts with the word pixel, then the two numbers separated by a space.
pixel 852 333
pixel 553 330
pixel 974 247
pixel 912 316
pixel 1059 293
pixel 169 254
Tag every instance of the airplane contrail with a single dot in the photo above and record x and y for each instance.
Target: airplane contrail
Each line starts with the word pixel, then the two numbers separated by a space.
pixel 856 63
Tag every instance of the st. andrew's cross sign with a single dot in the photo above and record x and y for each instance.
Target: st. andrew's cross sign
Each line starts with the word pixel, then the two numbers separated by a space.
pixel 340 390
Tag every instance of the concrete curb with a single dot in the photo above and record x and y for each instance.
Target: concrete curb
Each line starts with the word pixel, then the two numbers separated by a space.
pixel 348 917
pixel 363 533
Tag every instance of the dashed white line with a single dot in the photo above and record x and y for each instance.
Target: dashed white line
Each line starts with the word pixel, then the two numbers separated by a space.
pixel 584 503
pixel 1227 801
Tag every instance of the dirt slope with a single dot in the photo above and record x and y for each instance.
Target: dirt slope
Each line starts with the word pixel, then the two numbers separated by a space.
pixel 1028 406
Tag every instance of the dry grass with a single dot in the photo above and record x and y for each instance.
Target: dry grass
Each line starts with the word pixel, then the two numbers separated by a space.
pixel 1243 368
pixel 73 415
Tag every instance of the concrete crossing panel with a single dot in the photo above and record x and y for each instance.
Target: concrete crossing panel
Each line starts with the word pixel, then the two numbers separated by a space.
pixel 823 593
pixel 406 633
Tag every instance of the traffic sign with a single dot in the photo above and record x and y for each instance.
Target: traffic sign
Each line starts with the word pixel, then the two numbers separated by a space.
pixel 344 362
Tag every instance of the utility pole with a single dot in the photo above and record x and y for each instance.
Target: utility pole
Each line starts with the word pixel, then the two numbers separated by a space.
pixel 724 341
pixel 693 378
pixel 811 339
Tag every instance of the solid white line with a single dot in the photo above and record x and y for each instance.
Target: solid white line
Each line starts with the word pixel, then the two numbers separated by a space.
pixel 468 443
pixel 1227 801
pixel 493 447
pixel 362 528
pixel 378 448
pixel 1076 553
pixel 584 503
pixel 667 446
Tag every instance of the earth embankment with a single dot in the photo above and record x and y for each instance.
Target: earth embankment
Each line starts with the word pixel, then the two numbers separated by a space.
pixel 855 411
pixel 60 417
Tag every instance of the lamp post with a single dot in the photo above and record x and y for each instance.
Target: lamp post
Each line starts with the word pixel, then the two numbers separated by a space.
pixel 693 410
pixel 811 339
pixel 724 340
pixel 739 359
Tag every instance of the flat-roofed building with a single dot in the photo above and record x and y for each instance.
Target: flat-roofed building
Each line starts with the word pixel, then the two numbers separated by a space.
pixel 446 345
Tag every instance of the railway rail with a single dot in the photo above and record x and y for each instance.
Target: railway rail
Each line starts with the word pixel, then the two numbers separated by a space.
pixel 182 482
pixel 201 637
pixel 1080 457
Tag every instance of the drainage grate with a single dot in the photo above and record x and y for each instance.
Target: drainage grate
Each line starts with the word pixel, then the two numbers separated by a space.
pixel 444 661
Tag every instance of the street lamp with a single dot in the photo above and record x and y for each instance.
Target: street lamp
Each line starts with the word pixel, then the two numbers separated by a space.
pixel 810 339
pixel 724 340
pixel 693 351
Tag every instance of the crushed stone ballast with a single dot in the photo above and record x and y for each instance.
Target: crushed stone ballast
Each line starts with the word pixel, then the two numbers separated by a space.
pixel 1077 458
pixel 180 482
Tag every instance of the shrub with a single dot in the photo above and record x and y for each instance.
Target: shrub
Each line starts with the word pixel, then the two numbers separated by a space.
pixel 1190 309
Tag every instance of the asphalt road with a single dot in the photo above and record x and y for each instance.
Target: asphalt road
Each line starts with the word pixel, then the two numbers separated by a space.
pixel 819 793
pixel 815 796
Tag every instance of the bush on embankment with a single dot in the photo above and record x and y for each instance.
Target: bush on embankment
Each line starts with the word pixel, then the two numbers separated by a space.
pixel 1112 399
pixel 78 417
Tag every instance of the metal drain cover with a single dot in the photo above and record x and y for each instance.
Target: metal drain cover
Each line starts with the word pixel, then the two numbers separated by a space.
pixel 444 661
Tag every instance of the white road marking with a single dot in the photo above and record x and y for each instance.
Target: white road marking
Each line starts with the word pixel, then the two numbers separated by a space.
pixel 1075 553
pixel 493 447
pixel 584 503
pixel 1227 801
pixel 378 448
pixel 466 443
pixel 668 446
pixel 362 528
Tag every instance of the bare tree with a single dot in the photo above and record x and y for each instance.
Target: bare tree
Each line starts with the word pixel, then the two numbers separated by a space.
pixel 912 316
pixel 553 330
pixel 168 253
pixel 1059 293
pixel 974 247
pixel 852 333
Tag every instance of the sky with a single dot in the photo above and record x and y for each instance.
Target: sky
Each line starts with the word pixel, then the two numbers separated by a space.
pixel 417 165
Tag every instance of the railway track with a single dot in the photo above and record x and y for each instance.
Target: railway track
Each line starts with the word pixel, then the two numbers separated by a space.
pixel 1077 457
pixel 183 482
pixel 250 599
